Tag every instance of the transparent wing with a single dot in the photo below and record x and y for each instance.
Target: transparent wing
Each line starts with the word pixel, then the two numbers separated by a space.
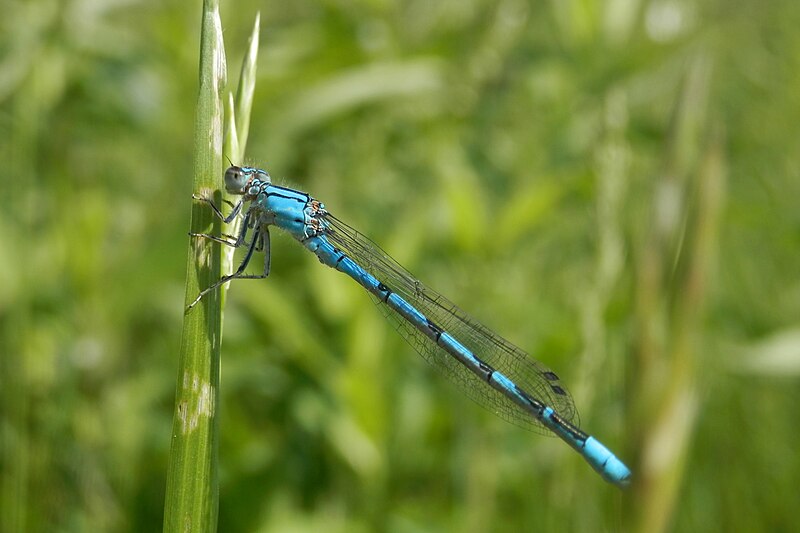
pixel 529 375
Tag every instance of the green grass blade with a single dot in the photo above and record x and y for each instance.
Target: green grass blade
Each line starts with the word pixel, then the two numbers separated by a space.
pixel 245 90
pixel 191 500
pixel 237 125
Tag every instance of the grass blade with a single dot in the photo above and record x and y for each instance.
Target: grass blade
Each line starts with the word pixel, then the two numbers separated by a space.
pixel 191 500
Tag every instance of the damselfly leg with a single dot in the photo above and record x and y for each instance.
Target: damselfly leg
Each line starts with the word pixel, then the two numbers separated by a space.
pixel 237 207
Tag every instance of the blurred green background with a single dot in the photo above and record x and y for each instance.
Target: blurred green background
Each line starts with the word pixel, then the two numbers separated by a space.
pixel 611 185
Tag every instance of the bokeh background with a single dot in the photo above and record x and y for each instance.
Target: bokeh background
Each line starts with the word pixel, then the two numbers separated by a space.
pixel 611 185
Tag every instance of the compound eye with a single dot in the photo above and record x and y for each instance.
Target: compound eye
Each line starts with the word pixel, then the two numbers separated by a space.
pixel 235 180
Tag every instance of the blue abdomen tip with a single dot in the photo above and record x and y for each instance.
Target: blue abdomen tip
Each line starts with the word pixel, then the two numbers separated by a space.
pixel 606 463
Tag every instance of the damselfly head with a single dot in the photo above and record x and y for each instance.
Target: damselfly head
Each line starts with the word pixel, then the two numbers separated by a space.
pixel 239 179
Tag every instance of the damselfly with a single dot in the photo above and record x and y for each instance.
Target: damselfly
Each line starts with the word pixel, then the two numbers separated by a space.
pixel 489 369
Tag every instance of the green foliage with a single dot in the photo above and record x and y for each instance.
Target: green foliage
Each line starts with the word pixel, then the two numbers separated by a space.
pixel 611 186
